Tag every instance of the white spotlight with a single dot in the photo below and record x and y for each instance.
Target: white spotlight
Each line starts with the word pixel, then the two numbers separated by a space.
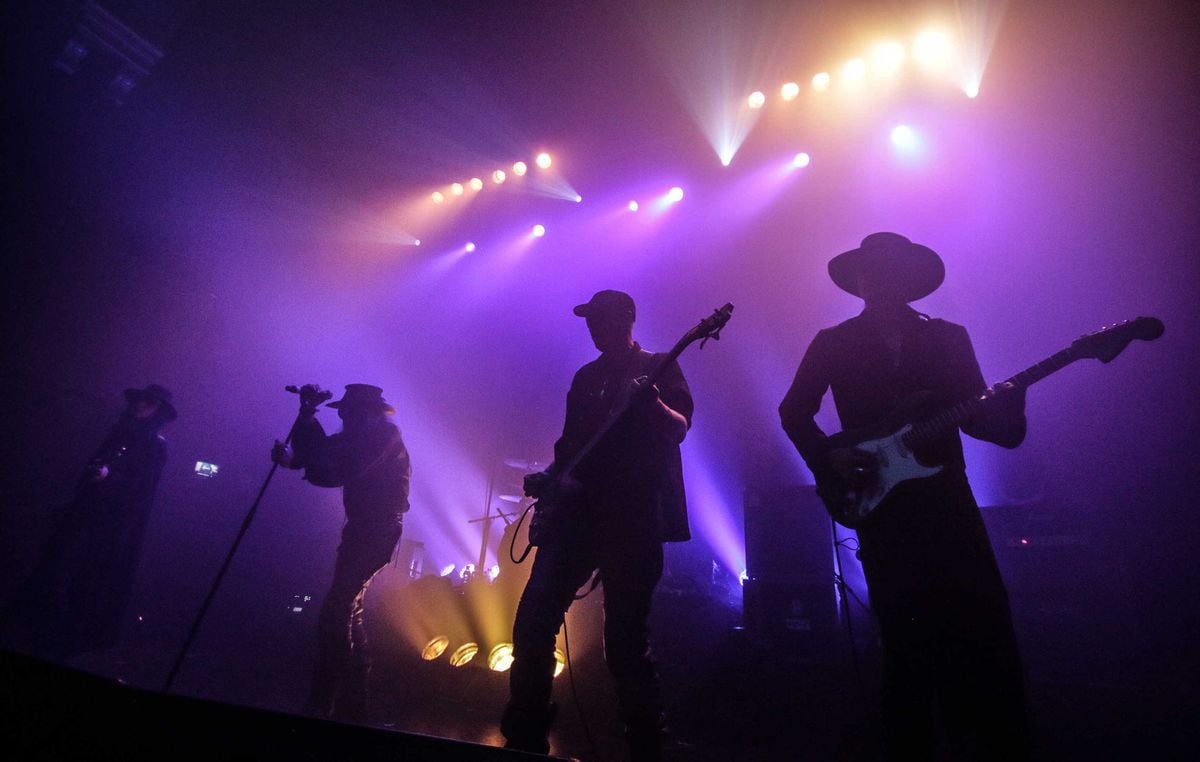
pixel 821 81
pixel 756 99
pixel 438 197
pixel 476 184
pixel 854 70
pixel 539 231
pixel 470 247
pixel 543 160
pixel 578 198
pixel 886 57
pixel 789 91
pixel 801 160
pixel 675 194
pixel 933 48
pixel 519 169
pixel 456 189
pixel 633 206
pixel 417 242
pixel 971 89
pixel 498 176
pixel 903 136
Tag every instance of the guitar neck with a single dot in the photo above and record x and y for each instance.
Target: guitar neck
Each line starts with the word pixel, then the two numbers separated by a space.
pixel 950 419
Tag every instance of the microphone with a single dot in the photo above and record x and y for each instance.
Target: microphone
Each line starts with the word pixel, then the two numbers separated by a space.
pixel 321 394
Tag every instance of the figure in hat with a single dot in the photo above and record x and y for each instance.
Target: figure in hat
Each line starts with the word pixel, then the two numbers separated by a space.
pixel 949 651
pixel 627 501
pixel 77 597
pixel 369 461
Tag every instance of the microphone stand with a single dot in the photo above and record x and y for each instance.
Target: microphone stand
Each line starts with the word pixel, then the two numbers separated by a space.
pixel 187 643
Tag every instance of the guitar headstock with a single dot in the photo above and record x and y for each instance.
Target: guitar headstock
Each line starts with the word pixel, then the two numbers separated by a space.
pixel 1111 340
pixel 710 327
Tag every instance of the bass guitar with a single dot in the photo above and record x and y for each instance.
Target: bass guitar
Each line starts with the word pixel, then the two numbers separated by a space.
pixel 851 505
pixel 558 490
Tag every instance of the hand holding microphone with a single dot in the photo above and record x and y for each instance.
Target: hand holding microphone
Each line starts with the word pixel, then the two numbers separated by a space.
pixel 311 395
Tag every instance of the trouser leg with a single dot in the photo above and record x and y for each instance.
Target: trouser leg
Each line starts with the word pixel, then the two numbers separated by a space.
pixel 630 570
pixel 339 680
pixel 559 569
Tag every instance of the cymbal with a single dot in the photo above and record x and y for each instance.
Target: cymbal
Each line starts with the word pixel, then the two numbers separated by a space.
pixel 525 465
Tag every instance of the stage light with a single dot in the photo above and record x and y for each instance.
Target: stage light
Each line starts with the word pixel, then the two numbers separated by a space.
pixel 560 661
pixel 493 572
pixel 789 91
pixel 821 81
pixel 416 242
pixel 463 654
pixel 726 156
pixel 470 247
pixel 448 569
pixel 438 197
pixel 498 176
pixel 519 169
pixel 886 57
pixel 500 658
pixel 435 648
pixel 932 48
pixel 543 161
pixel 756 100
pixel 578 199
pixel 971 89
pixel 456 189
pixel 476 184
pixel 801 160
pixel 854 70
pixel 903 137
pixel 633 206
pixel 539 231
pixel 675 194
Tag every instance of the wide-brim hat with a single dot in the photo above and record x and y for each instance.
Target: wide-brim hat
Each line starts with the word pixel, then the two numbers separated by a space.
pixel 915 270
pixel 608 303
pixel 157 393
pixel 363 396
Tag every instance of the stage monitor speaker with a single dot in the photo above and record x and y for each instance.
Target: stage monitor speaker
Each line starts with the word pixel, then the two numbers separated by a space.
pixel 789 600
pixel 788 534
pixel 52 712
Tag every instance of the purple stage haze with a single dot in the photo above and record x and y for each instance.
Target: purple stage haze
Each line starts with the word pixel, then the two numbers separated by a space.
pixel 246 220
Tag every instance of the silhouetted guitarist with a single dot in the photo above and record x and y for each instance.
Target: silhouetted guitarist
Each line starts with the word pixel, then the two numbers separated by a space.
pixel 611 513
pixel 948 645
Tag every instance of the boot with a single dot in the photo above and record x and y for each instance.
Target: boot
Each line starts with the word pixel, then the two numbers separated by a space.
pixel 526 730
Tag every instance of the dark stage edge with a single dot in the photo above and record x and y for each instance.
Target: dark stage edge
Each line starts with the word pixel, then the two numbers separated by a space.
pixel 55 713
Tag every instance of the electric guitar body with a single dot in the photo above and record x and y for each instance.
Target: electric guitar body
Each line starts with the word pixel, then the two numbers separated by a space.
pixel 891 447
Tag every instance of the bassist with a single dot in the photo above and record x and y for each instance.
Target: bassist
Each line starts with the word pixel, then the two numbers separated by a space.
pixel 612 513
pixel 948 645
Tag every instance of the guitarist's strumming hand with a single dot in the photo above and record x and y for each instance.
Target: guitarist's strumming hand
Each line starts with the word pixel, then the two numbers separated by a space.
pixel 544 484
pixel 858 468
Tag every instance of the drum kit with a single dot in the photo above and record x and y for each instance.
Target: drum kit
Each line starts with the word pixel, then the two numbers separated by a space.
pixel 517 503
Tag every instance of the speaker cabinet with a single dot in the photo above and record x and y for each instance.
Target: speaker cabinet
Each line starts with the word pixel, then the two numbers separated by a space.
pixel 789 599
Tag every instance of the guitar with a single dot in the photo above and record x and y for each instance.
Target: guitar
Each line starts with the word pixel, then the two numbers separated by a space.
pixel 852 505
pixel 554 497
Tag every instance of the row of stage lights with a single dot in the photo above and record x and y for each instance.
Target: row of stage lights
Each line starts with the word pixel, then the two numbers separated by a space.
pixel 542 161
pixel 933 50
pixel 903 137
pixel 499 658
